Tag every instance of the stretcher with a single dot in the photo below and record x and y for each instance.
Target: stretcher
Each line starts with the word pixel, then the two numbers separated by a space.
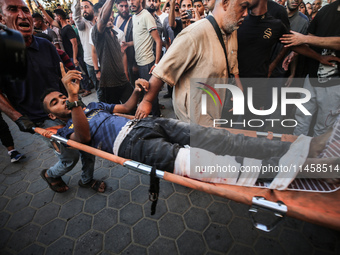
pixel 308 200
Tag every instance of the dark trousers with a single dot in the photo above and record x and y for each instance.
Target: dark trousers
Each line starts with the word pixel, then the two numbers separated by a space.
pixel 156 142
pixel 114 95
pixel 5 135
pixel 86 82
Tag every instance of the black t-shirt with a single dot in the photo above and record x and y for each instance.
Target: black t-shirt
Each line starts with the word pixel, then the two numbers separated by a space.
pixel 256 37
pixel 278 12
pixel 110 58
pixel 325 24
pixel 67 33
pixel 179 26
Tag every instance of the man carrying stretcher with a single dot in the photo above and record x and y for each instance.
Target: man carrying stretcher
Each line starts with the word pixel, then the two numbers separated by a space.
pixel 163 143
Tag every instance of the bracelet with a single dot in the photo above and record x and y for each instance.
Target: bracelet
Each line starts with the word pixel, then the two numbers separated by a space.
pixel 155 65
pixel 96 71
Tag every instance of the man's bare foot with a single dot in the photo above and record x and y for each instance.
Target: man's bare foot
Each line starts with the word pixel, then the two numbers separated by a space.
pixel 318 143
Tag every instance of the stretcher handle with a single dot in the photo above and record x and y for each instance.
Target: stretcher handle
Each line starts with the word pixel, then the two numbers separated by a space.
pixel 80 146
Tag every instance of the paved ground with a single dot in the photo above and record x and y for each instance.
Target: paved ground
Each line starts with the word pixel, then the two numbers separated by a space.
pixel 35 220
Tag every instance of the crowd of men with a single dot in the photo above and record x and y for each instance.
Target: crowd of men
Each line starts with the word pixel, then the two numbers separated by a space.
pixel 225 41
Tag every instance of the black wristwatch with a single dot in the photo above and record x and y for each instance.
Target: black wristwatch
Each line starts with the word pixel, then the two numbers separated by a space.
pixel 71 105
pixel 96 71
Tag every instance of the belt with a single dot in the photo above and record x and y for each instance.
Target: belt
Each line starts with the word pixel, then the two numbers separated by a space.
pixel 122 134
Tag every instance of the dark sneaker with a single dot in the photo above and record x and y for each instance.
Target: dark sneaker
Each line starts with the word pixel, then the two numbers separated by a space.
pixel 16 156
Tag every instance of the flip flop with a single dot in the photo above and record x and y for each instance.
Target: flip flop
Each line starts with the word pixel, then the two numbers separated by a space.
pixel 93 184
pixel 55 184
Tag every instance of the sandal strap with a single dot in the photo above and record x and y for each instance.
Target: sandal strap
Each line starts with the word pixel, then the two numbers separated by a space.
pixel 96 184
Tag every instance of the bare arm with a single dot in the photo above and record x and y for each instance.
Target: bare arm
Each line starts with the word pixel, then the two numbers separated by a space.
pixel 104 15
pixel 145 106
pixel 131 103
pixel 71 81
pixel 8 109
pixel 293 66
pixel 164 6
pixel 278 58
pixel 155 36
pixel 125 63
pixel 172 22
pixel 295 39
pixel 75 51
pixel 95 61
pixel 306 51
pixel 48 17
pixel 78 19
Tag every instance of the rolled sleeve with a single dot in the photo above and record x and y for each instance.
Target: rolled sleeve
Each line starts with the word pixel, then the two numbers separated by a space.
pixel 180 57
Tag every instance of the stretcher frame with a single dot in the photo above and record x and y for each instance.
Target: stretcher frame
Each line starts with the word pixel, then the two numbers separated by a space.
pixel 317 208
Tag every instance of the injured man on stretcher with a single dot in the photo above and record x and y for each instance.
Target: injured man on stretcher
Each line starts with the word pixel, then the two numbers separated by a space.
pixel 164 143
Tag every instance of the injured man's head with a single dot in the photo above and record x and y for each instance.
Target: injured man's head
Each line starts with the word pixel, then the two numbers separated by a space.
pixel 54 104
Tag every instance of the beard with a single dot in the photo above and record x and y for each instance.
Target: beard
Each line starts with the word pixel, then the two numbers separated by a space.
pixel 88 17
pixel 230 23
pixel 151 9
pixel 123 15
pixel 292 9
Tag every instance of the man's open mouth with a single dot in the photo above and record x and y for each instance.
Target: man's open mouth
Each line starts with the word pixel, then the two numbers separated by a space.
pixel 24 25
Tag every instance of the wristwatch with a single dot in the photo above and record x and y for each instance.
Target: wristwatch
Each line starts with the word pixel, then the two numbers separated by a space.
pixel 96 71
pixel 71 105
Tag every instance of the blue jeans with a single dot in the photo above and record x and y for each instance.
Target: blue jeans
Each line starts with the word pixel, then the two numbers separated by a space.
pixel 144 73
pixel 68 158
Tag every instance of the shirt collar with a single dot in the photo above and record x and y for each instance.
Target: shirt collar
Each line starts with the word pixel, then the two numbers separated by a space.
pixel 34 44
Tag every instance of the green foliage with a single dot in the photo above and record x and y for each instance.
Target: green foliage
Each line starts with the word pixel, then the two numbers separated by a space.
pixel 52 5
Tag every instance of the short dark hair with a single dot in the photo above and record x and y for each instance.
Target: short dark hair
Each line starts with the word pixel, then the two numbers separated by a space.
pixel 50 14
pixel 119 1
pixel 195 1
pixel 61 13
pixel 46 36
pixel 88 2
pixel 42 98
pixel 37 15
pixel 180 3
pixel 96 8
